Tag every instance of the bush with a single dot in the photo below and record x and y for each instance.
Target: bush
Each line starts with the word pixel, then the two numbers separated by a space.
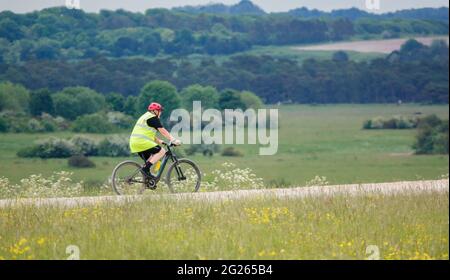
pixel 432 136
pixel 35 126
pixel 85 146
pixel 114 147
pixel 51 124
pixel 232 152
pixel 17 124
pixel 120 120
pixel 20 123
pixel 3 125
pixel 396 122
pixel 94 123
pixel 73 102
pixel 49 148
pixel 205 149
pixel 80 161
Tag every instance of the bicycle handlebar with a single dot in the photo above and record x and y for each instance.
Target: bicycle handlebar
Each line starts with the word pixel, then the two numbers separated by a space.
pixel 170 144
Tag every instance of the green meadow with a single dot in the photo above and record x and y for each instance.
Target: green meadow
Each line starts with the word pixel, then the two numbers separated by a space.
pixel 340 227
pixel 323 140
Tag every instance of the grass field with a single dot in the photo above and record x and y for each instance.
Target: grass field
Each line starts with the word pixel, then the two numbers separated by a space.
pixel 313 140
pixel 291 52
pixel 358 49
pixel 341 227
pixel 385 46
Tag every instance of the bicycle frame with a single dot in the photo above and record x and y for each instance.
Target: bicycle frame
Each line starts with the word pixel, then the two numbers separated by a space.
pixel 169 155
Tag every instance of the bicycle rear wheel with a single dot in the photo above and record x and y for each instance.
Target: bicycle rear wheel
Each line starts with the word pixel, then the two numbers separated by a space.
pixel 183 176
pixel 127 179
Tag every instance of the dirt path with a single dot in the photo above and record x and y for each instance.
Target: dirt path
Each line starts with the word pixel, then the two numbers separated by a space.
pixel 369 46
pixel 381 188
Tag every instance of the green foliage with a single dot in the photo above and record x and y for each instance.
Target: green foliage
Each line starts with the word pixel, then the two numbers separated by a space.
pixel 417 76
pixel 231 99
pixel 93 123
pixel 60 33
pixel 49 148
pixel 3 124
pixel 14 98
pixel 129 106
pixel 80 161
pixel 85 146
pixel 161 92
pixel 114 146
pixel 10 29
pixel 115 101
pixel 205 149
pixel 207 95
pixel 41 102
pixel 120 120
pixel 20 123
pixel 432 136
pixel 232 152
pixel 340 56
pixel 73 102
pixel 251 100
pixel 396 122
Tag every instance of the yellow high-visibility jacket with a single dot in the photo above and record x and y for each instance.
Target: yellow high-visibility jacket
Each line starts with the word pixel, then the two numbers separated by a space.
pixel 143 137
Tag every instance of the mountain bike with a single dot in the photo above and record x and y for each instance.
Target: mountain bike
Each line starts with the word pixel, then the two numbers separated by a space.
pixel 183 175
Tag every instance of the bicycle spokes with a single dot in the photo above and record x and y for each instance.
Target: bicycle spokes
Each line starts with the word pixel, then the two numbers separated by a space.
pixel 128 179
pixel 183 176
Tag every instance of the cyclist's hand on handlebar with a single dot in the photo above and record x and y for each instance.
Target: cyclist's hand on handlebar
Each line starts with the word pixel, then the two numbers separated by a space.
pixel 176 142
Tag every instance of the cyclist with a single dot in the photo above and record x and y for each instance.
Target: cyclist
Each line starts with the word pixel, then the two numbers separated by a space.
pixel 143 140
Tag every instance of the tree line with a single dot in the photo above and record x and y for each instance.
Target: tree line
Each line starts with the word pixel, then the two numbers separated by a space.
pixel 82 109
pixel 416 73
pixel 65 34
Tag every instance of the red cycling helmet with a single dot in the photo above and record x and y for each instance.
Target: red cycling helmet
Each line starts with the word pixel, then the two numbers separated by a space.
pixel 155 107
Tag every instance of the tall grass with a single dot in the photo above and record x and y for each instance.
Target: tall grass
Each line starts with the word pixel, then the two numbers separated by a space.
pixel 406 226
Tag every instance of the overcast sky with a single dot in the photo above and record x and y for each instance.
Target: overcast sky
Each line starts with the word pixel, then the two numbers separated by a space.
pixel 21 6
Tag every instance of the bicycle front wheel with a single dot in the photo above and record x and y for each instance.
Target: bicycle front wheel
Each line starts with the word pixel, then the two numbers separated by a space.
pixel 183 176
pixel 127 179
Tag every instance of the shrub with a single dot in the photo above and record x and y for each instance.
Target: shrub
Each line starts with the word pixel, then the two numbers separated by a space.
pixel 119 119
pixel 18 125
pixel 3 124
pixel 49 148
pixel 62 123
pixel 396 122
pixel 85 146
pixel 114 147
pixel 94 123
pixel 80 161
pixel 367 124
pixel 205 149
pixel 232 152
pixel 49 126
pixel 432 136
pixel 35 126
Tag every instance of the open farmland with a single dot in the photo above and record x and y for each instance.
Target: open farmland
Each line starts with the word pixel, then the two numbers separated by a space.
pixel 369 46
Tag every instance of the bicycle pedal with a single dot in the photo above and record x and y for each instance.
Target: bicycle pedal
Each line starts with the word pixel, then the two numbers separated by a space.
pixel 151 184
